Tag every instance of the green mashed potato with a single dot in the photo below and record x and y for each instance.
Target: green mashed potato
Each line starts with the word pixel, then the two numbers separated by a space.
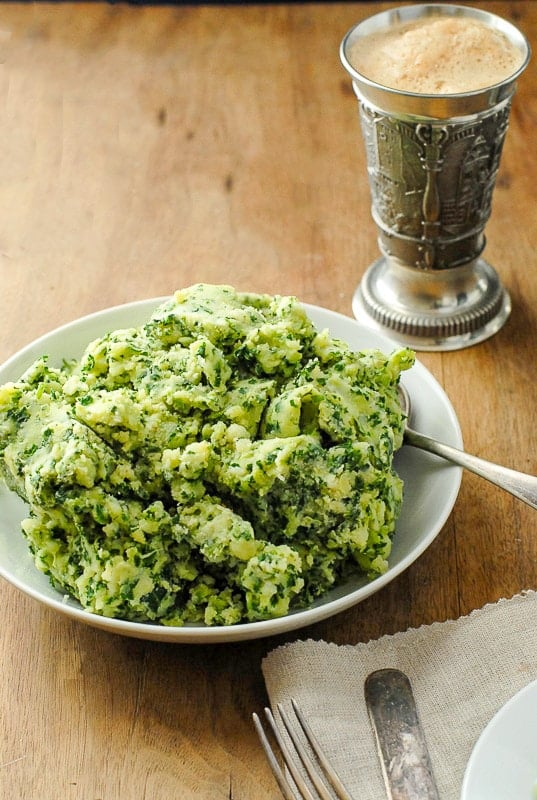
pixel 223 463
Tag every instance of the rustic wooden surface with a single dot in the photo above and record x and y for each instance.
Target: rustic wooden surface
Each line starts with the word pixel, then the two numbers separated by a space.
pixel 147 148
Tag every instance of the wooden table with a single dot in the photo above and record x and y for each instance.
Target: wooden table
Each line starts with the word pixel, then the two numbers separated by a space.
pixel 147 148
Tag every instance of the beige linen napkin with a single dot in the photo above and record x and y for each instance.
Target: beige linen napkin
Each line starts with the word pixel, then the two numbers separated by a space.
pixel 462 672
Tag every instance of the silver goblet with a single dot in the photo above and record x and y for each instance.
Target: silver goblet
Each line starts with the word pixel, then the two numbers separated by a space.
pixel 432 161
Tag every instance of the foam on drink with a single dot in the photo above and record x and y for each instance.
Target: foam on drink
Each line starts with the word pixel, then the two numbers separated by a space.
pixel 436 55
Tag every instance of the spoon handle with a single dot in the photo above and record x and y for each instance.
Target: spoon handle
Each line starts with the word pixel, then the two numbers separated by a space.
pixel 518 484
pixel 404 758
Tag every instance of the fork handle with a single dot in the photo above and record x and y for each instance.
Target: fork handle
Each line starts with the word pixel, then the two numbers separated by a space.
pixel 516 483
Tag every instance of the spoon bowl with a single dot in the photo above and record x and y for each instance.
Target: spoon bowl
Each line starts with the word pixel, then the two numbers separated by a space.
pixel 519 484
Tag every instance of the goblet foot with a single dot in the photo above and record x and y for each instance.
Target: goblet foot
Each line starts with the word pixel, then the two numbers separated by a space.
pixel 445 309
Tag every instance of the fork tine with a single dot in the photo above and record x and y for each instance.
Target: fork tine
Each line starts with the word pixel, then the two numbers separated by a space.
pixel 289 761
pixel 310 767
pixel 273 761
pixel 329 771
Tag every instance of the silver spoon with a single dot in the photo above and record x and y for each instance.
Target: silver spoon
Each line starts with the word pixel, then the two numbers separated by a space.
pixel 404 758
pixel 518 484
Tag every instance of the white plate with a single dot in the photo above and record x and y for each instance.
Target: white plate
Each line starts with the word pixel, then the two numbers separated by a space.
pixel 431 485
pixel 503 764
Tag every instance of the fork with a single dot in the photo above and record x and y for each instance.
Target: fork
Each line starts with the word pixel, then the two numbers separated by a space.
pixel 319 771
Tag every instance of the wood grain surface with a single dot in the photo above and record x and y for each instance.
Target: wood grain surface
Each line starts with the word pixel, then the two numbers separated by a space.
pixel 145 148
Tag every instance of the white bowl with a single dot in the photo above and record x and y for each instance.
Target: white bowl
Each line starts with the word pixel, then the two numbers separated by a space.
pixel 431 486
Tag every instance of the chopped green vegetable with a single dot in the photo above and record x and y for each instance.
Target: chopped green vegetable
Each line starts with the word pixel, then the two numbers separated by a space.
pixel 224 462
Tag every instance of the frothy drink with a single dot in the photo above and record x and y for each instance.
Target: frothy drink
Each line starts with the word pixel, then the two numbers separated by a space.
pixel 434 84
pixel 436 55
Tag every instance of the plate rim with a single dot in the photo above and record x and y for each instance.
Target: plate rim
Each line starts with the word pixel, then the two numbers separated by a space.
pixel 490 729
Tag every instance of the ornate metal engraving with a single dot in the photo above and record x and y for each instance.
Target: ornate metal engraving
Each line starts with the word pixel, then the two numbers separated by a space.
pixel 432 183
pixel 432 164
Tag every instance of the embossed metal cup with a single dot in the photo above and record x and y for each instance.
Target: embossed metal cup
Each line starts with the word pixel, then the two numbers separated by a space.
pixel 432 161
